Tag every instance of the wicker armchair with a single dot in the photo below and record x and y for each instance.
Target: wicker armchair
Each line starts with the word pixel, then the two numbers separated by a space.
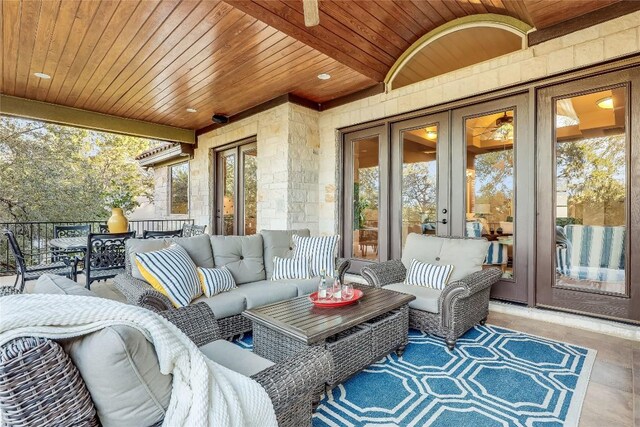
pixel 462 304
pixel 31 365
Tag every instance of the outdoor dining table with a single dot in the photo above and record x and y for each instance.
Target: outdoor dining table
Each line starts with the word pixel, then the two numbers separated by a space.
pixel 69 243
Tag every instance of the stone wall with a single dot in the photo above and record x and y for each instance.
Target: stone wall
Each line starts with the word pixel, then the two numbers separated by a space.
pixel 297 148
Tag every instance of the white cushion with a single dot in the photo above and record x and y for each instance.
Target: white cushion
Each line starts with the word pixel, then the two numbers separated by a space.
pixel 136 246
pixel 171 272
pixel 321 251
pixel 427 299
pixel 215 280
pixel 290 268
pixel 466 255
pixel 430 275
pixel 54 284
pixel 423 248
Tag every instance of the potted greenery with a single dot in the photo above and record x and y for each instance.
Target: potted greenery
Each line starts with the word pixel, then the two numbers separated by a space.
pixel 119 202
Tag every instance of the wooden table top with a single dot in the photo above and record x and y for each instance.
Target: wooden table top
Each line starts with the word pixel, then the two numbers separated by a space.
pixel 67 243
pixel 300 319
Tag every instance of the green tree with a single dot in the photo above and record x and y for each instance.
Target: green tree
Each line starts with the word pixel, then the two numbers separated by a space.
pixel 60 173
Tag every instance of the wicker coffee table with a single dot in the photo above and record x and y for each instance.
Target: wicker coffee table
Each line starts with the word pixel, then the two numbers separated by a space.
pixel 356 335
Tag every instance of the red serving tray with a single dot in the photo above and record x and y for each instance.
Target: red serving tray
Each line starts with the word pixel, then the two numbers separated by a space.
pixel 357 294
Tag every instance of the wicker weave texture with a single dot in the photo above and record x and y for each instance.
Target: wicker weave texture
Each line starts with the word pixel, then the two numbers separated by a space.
pixel 388 332
pixel 40 386
pixel 351 351
pixel 384 273
pixel 196 321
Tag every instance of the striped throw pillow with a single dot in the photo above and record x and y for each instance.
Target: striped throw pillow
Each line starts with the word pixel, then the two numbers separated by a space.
pixel 290 268
pixel 321 252
pixel 429 275
pixel 172 273
pixel 215 280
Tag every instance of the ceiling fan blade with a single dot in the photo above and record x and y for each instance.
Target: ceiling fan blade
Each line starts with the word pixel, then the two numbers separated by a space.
pixel 311 13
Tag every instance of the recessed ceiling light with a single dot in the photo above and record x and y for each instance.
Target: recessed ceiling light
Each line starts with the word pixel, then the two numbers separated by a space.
pixel 42 75
pixel 324 76
pixel 605 103
pixel 191 110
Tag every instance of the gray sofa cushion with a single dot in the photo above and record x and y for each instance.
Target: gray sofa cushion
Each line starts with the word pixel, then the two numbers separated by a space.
pixel 122 374
pixel 54 284
pixel 198 248
pixel 279 243
pixel 423 248
pixel 466 255
pixel 266 292
pixel 225 304
pixel 304 286
pixel 426 298
pixel 233 357
pixel 243 256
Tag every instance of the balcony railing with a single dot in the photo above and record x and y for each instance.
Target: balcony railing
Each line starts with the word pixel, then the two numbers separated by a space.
pixel 34 237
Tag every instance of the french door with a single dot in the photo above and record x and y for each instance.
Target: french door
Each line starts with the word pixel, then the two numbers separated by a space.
pixel 463 172
pixel 236 189
pixel 492 176
pixel 588 227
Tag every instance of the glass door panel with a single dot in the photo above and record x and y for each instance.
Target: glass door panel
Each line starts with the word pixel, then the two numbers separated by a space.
pixel 591 191
pixel 588 222
pixel 229 199
pixel 366 201
pixel 249 189
pixel 366 197
pixel 490 191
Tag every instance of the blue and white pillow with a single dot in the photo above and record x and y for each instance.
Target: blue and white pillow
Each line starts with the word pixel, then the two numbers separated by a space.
pixel 215 280
pixel 429 275
pixel 172 273
pixel 290 268
pixel 321 252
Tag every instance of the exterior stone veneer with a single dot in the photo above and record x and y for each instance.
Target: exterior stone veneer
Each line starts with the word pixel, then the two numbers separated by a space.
pixel 298 154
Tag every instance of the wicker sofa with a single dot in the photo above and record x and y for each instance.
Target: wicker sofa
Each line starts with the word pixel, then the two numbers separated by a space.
pixel 30 366
pixel 250 260
pixel 463 303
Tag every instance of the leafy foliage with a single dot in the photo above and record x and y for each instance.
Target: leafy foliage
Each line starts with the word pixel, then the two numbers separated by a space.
pixel 59 173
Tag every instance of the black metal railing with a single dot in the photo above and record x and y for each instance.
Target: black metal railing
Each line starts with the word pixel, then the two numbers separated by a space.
pixel 33 237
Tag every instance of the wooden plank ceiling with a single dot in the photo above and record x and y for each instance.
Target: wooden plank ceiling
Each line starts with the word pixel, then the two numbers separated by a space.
pixel 151 60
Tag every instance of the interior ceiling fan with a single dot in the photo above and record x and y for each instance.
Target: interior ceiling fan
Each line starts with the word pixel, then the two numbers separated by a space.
pixel 311 13
pixel 501 130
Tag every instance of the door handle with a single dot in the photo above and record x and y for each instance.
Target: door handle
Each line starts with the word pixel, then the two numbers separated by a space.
pixel 444 221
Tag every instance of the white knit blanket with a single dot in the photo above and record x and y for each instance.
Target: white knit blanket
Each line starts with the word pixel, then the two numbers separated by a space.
pixel 204 393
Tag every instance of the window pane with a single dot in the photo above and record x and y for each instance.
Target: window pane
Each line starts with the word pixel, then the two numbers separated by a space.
pixel 490 186
pixel 250 191
pixel 229 194
pixel 591 191
pixel 366 194
pixel 419 181
pixel 180 188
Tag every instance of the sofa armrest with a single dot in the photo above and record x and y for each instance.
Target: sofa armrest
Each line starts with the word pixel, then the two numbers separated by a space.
pixel 197 321
pixel 140 293
pixel 342 265
pixel 384 273
pixel 473 283
pixel 289 381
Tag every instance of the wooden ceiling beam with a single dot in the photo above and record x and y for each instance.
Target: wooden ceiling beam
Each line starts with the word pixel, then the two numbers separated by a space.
pixel 288 21
pixel 583 21
pixel 37 110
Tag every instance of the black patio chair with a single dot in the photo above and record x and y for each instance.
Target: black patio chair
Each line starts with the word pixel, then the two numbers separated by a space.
pixel 25 273
pixel 104 258
pixel 190 230
pixel 149 234
pixel 68 231
pixel 103 228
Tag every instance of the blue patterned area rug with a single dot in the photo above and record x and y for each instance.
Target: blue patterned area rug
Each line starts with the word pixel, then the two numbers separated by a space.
pixel 494 377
